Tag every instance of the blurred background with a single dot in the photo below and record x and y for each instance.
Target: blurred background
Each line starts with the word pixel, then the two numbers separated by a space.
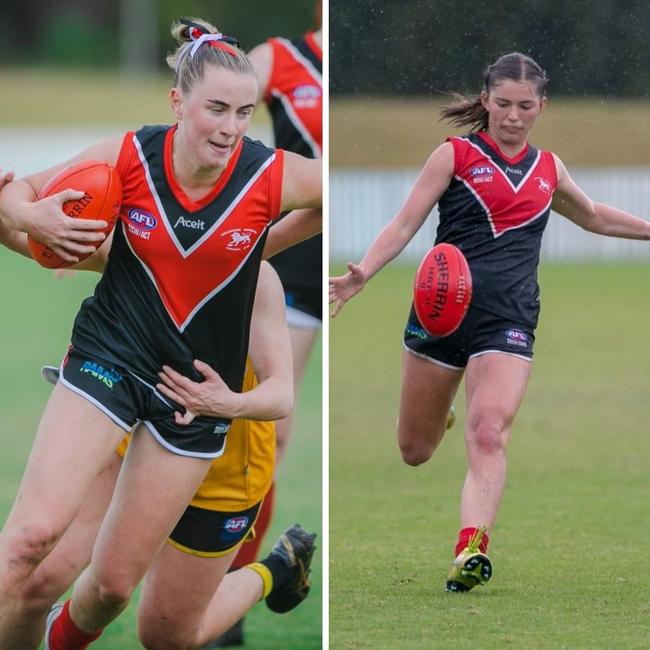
pixel 391 63
pixel 74 72
pixel 564 546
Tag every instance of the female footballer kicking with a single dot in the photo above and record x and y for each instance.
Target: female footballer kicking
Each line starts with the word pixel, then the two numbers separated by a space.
pixel 494 192
pixel 176 300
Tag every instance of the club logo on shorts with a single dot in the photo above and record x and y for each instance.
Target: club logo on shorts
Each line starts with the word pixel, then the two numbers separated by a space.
pixel 240 238
pixel 221 428
pixel 418 332
pixel 517 337
pixel 235 526
pixel 141 223
pixel 108 377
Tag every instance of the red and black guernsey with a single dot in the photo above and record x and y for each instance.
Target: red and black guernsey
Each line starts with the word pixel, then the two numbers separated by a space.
pixel 181 274
pixel 294 97
pixel 495 210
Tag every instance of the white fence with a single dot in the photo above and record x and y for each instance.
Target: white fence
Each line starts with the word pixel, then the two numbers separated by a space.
pixel 363 201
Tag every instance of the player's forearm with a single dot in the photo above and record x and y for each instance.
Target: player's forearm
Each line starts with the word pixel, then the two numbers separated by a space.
pixel 294 228
pixel 14 240
pixel 618 223
pixel 14 198
pixel 271 399
pixel 387 246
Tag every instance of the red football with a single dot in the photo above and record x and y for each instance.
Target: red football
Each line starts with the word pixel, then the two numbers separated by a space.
pixel 103 198
pixel 442 290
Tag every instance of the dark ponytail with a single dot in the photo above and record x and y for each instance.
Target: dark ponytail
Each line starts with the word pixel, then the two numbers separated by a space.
pixel 468 111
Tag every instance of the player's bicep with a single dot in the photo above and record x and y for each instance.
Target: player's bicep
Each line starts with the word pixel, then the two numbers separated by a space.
pixel 569 200
pixel 431 183
pixel 270 346
pixel 302 182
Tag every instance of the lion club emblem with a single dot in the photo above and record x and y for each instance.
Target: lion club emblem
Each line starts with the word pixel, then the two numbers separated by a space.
pixel 544 185
pixel 240 238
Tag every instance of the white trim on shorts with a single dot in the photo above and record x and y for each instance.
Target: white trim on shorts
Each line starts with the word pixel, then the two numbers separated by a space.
pixel 510 354
pixel 181 452
pixel 434 361
pixel 92 400
pixel 301 320
pixel 152 388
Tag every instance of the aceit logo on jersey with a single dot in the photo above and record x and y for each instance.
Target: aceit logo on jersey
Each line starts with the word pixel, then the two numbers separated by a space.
pixel 306 96
pixel 141 223
pixel 235 526
pixel 482 174
pixel 241 239
pixel 192 224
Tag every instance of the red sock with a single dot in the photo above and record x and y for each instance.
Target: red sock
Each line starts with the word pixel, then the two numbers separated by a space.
pixel 248 551
pixel 65 635
pixel 463 540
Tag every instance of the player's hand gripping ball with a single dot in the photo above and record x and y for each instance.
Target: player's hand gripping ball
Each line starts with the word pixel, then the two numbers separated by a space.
pixel 442 290
pixel 101 201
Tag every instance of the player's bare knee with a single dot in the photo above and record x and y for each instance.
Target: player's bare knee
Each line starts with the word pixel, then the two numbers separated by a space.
pixel 40 593
pixel 415 452
pixel 113 590
pixel 31 543
pixel 487 432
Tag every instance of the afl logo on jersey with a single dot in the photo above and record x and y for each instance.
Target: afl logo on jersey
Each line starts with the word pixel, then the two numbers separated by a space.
pixel 306 95
pixel 482 174
pixel 141 223
pixel 240 238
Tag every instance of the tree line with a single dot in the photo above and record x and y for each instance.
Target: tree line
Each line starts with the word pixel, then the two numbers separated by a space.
pixel 419 47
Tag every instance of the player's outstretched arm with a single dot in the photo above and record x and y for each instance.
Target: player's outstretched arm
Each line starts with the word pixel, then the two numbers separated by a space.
pixel 571 202
pixel 295 227
pixel 429 187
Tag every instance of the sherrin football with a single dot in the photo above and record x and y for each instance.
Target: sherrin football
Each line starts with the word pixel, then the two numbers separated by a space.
pixel 102 200
pixel 442 290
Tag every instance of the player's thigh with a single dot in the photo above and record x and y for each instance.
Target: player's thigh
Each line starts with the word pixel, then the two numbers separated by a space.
pixel 495 384
pixel 73 442
pixel 152 492
pixel 427 393
pixel 177 591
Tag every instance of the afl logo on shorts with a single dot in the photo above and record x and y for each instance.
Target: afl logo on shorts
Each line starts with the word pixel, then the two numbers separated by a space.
pixel 306 96
pixel 240 238
pixel 236 525
pixel 141 223
pixel 517 337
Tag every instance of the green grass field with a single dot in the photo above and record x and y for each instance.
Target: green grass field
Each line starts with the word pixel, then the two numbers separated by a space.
pixel 37 318
pixel 570 542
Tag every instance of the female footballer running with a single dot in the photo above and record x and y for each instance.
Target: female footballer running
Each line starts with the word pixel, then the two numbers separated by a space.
pixel 179 301
pixel 495 193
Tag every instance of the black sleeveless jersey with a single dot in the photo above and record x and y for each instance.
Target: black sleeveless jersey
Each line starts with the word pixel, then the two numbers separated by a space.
pixel 295 100
pixel 181 274
pixel 495 210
